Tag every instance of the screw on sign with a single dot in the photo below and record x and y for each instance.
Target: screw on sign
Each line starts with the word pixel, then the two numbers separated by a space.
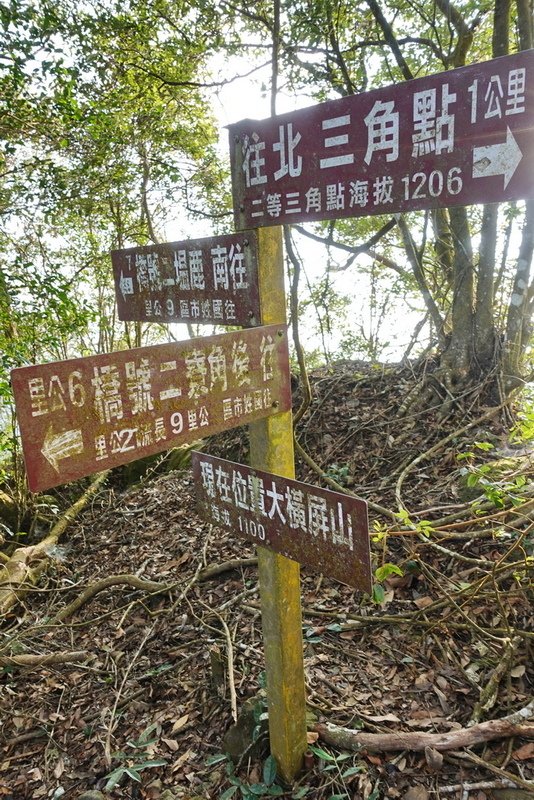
pixel 205 281
pixel 455 138
pixel 86 415
pixel 326 530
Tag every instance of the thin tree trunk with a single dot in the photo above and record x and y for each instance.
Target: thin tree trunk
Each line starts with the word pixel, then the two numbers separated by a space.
pixel 518 325
pixel 415 263
pixel 389 36
pixel 275 55
pixel 525 24
pixel 484 319
pixel 484 327
pixel 518 310
pixel 458 359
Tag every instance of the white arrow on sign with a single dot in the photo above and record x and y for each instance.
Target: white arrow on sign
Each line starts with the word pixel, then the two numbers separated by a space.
pixel 126 285
pixel 57 446
pixel 497 159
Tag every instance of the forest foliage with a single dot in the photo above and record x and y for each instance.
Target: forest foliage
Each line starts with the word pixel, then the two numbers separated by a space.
pixel 109 139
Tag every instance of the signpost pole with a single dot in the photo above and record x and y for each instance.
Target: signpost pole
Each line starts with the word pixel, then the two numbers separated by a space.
pixel 271 449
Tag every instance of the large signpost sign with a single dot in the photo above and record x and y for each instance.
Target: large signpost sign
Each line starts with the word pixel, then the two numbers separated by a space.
pixel 456 138
pixel 460 137
pixel 326 530
pixel 85 415
pixel 212 280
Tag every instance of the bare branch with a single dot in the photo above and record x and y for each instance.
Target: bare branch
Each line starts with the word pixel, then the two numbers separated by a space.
pixel 196 84
pixel 464 31
pixel 390 39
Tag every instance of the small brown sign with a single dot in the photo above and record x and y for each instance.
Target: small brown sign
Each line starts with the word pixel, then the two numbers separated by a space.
pixel 85 415
pixel 207 281
pixel 458 137
pixel 325 530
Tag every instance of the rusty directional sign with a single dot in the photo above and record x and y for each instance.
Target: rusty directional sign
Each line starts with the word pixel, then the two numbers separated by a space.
pixel 325 530
pixel 459 137
pixel 85 415
pixel 207 281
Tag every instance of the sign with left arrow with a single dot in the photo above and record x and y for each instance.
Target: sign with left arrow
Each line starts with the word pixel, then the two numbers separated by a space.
pixel 85 415
pixel 202 281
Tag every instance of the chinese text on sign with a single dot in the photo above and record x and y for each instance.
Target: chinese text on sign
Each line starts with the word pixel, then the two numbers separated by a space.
pixel 456 138
pixel 210 281
pixel 323 529
pixel 85 415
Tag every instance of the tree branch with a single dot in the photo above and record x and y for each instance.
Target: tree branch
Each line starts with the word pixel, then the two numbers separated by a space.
pixel 419 275
pixel 387 30
pixel 464 32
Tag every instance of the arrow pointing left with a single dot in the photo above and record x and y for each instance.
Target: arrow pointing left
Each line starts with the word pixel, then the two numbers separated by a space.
pixel 126 285
pixel 57 446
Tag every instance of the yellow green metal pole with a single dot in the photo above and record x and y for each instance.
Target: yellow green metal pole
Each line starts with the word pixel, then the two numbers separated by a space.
pixel 271 449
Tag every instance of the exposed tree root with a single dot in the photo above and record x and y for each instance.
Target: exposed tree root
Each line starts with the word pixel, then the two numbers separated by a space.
pixel 48 659
pixel 520 723
pixel 458 758
pixel 439 446
pixel 151 587
pixel 337 486
pixel 26 565
pixel 215 570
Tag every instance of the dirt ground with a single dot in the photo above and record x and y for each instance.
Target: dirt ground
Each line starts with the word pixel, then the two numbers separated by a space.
pixel 444 644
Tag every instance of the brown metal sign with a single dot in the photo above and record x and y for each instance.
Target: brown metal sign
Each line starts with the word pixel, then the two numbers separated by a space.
pixel 455 138
pixel 85 415
pixel 322 529
pixel 207 281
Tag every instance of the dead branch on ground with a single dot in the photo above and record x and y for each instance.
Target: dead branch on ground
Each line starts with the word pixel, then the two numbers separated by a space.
pixel 520 723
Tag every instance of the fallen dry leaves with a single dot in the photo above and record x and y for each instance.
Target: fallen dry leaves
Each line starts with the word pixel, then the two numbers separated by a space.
pixel 417 661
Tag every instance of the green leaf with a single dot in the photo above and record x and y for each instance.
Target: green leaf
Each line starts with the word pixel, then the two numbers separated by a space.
pixel 216 759
pixel 321 753
pixel 386 570
pixel 300 793
pixel 343 796
pixel 229 793
pixel 155 762
pixel 378 594
pixel 258 788
pixel 352 771
pixel 133 774
pixel 114 779
pixel 275 791
pixel 269 770
pixel 462 456
pixel 145 735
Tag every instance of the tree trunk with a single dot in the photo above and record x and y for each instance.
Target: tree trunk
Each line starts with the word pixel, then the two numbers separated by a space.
pixel 457 361
pixel 517 327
